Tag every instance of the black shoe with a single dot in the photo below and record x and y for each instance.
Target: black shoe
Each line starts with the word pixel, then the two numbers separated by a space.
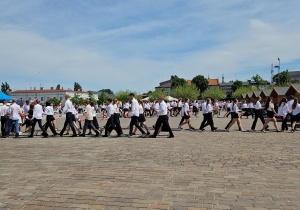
pixel 67 134
pixel 133 134
pixel 74 135
pixel 97 135
pixel 90 133
pixel 45 137
pixel 82 135
pixel 170 136
pixel 4 136
pixel 152 136
pixel 54 135
pixel 148 133
pixel 215 129
pixel 30 136
pixel 104 135
pixel 121 135
pixel 60 134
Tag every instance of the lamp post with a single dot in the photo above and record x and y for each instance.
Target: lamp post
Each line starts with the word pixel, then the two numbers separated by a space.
pixel 278 71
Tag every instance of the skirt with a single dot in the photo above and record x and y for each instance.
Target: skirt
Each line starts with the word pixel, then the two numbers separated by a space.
pixel 186 116
pixel 270 114
pixel 234 115
pixel 296 117
pixel 141 118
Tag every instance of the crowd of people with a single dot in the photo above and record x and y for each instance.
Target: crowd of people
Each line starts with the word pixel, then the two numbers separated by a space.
pixel 15 116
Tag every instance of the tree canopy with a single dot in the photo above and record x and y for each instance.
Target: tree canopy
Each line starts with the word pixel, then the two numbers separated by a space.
pixel 77 87
pixel 157 93
pixel 55 101
pixel 5 88
pixel 58 87
pixel 284 78
pixel 236 85
pixel 201 82
pixel 176 81
pixel 102 98
pixel 124 95
pixel 260 82
pixel 108 91
pixel 186 91
pixel 214 93
pixel 77 99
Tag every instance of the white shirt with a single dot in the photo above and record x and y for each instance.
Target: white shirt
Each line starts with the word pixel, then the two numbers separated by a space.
pixel 271 106
pixel 157 106
pixel 162 110
pixel 257 105
pixel 296 110
pixel 235 109
pixel 89 112
pixel 94 111
pixel 204 108
pixel 3 110
pixel 127 106
pixel 250 105
pixel 290 104
pixel 110 110
pixel 26 108
pixel 175 104
pixel 208 108
pixel 245 106
pixel 186 109
pixel 179 104
pixel 283 109
pixel 117 111
pixel 134 107
pixel 49 110
pixel 68 107
pixel 141 110
pixel 37 112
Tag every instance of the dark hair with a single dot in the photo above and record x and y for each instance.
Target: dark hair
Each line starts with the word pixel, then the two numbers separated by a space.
pixel 295 103
pixel 48 103
pixel 110 100
pixel 186 99
pixel 92 103
pixel 132 94
pixel 267 103
pixel 31 106
pixel 283 100
pixel 27 102
pixel 292 97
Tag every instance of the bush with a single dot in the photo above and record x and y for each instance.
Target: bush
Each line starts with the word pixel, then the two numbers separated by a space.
pixel 124 95
pixel 186 91
pixel 157 93
pixel 214 93
pixel 238 93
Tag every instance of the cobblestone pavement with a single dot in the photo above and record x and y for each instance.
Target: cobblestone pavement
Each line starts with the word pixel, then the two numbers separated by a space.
pixel 194 171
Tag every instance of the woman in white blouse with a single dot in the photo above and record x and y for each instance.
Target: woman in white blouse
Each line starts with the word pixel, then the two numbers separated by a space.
pixel 235 116
pixel 296 113
pixel 282 112
pixel 271 113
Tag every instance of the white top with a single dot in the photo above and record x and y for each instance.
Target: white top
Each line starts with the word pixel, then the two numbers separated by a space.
pixel 245 106
pixel 235 109
pixel 3 110
pixel 94 111
pixel 156 106
pixel 283 109
pixel 290 104
pixel 48 110
pixel 186 108
pixel 73 110
pixel 89 112
pixel 204 108
pixel 110 110
pixel 26 108
pixel 127 106
pixel 37 112
pixel 162 110
pixel 271 106
pixel 296 110
pixel 67 107
pixel 250 105
pixel 209 108
pixel 116 109
pixel 257 105
pixel 175 104
pixel 134 107
pixel 179 104
pixel 141 110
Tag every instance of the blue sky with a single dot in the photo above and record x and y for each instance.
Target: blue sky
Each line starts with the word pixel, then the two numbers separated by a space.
pixel 136 44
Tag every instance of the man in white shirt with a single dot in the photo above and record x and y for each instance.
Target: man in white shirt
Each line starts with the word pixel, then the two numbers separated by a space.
pixel 13 113
pixel 26 109
pixel 37 118
pixel 290 104
pixel 162 119
pixel 258 114
pixel 89 119
pixel 4 118
pixel 134 116
pixel 205 118
pixel 69 112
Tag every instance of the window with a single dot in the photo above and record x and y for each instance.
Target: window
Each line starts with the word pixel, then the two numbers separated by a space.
pixel 42 98
pixel 29 98
pixel 48 98
pixel 60 98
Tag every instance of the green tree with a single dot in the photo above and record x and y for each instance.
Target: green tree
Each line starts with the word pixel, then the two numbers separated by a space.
pixel 5 88
pixel 124 95
pixel 214 93
pixel 77 99
pixel 176 81
pixel 236 85
pixel 238 93
pixel 284 78
pixel 91 97
pixel 77 86
pixel 201 82
pixel 186 91
pixel 259 81
pixel 102 98
pixel 157 93
pixel 55 101
pixel 58 87
pixel 108 91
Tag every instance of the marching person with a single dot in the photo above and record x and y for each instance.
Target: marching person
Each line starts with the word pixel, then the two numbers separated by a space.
pixel 37 118
pixel 186 116
pixel 13 114
pixel 110 124
pixel 235 116
pixel 282 112
pixel 258 114
pixel 162 119
pixel 134 116
pixel 290 104
pixel 26 109
pixel 68 110
pixel 88 119
pixel 49 112
pixel 296 113
pixel 4 118
pixel 271 113
pixel 117 118
pixel 141 118
pixel 208 116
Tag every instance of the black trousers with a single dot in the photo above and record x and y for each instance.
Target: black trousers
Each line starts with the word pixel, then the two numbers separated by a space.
pixel 181 121
pixel 134 122
pixel 89 123
pixel 147 110
pixel 231 122
pixel 207 120
pixel 258 114
pixel 49 119
pixel 291 118
pixel 162 119
pixel 110 125
pixel 39 121
pixel 117 123
pixel 68 122
pixel 4 125
pixel 284 124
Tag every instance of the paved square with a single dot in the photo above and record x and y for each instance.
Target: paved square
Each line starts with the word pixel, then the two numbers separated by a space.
pixel 194 171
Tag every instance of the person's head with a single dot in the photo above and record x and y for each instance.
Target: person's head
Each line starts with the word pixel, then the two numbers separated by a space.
pixel 235 101
pixel 31 106
pixel 131 95
pixel 115 101
pixel 87 101
pixel 27 102
pixel 140 102
pixel 292 97
pixel 295 103
pixel 109 101
pixel 37 101
pixel 208 100
pixel 283 100
pixel 186 100
pixel 14 100
pixel 161 99
pixel 92 103
pixel 4 102
pixel 48 103
pixel 67 97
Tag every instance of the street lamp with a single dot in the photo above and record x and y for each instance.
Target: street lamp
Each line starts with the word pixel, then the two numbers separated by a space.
pixel 278 71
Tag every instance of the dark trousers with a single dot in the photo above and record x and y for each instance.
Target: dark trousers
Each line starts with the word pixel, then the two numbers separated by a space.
pixel 291 118
pixel 284 124
pixel 134 122
pixel 4 123
pixel 39 121
pixel 162 119
pixel 90 124
pixel 79 124
pixel 49 119
pixel 110 125
pixel 231 122
pixel 124 112
pixel 181 121
pixel 117 123
pixel 207 120
pixel 68 122
pixel 258 114
pixel 147 110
